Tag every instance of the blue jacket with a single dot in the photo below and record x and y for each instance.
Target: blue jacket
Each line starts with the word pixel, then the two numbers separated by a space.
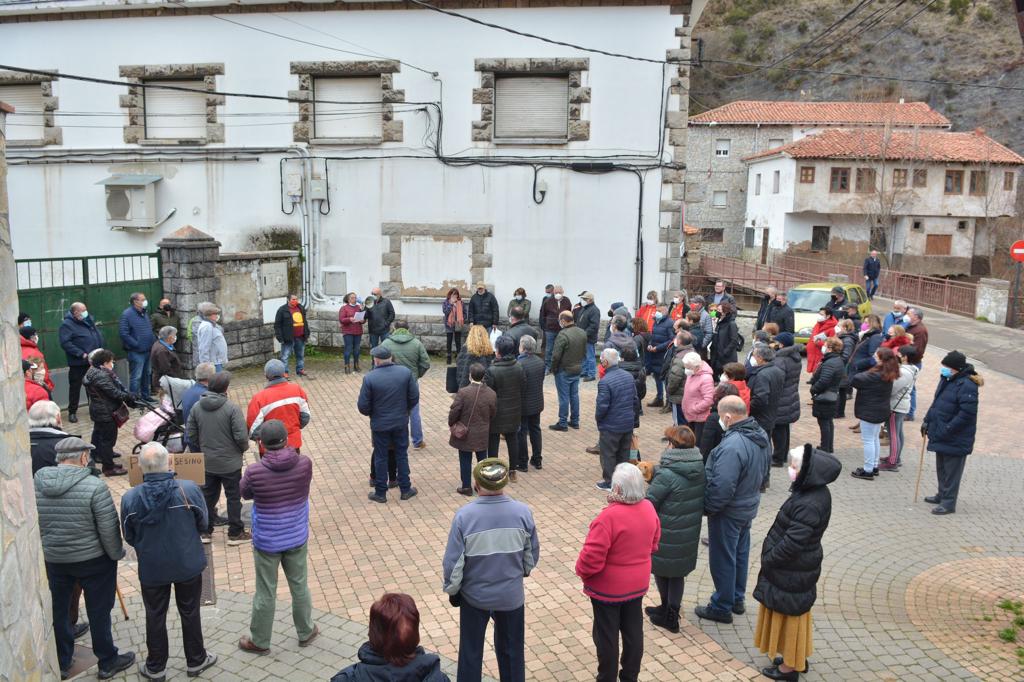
pixel 136 331
pixel 872 267
pixel 890 320
pixel 492 546
pixel 735 471
pixel 953 417
pixel 78 337
pixel 189 399
pixel 388 394
pixel 662 335
pixel 617 402
pixel 864 353
pixel 164 528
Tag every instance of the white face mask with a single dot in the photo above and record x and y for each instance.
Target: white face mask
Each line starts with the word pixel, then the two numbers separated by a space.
pixel 793 473
pixel 83 315
pixel 39 376
pixel 723 379
pixel 689 372
pixel 558 297
pixel 676 300
pixel 519 298
pixel 650 301
pixel 721 422
pixel 144 303
pixel 754 362
pixel 658 315
pixel 821 318
pixel 906 319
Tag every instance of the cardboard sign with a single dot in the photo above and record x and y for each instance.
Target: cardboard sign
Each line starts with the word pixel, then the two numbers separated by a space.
pixel 190 466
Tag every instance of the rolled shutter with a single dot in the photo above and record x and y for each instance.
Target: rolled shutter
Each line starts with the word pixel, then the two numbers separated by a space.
pixel 26 123
pixel 176 115
pixel 341 121
pixel 531 107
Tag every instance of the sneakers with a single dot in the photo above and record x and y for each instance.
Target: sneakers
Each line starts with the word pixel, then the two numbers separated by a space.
pixel 79 629
pixel 206 538
pixel 864 475
pixel 240 539
pixel 668 619
pixel 603 485
pixel 121 663
pixel 312 636
pixel 374 497
pixel 193 671
pixel 145 672
pixel 409 494
pixel 574 426
pixel 558 427
pixel 245 644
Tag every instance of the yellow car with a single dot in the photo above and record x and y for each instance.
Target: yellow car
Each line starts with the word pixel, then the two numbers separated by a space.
pixel 807 299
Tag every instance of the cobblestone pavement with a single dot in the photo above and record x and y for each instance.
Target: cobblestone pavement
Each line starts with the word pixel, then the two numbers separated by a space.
pixel 868 623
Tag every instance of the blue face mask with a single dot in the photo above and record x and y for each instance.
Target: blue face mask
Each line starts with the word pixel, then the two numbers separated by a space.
pixel 946 372
pixel 658 315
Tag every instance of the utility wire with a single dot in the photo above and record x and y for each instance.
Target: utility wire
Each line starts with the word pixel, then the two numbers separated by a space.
pixel 908 20
pixel 846 39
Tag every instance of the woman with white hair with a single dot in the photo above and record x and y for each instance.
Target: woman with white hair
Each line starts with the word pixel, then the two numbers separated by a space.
pixel 615 565
pixel 698 392
pixel 791 564
pixel 163 358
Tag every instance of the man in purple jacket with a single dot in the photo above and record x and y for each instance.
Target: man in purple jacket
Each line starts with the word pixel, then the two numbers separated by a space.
pixel 278 485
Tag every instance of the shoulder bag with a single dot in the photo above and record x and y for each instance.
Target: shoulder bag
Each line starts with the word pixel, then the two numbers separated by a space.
pixel 460 429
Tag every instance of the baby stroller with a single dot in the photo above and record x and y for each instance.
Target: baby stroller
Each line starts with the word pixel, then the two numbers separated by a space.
pixel 163 422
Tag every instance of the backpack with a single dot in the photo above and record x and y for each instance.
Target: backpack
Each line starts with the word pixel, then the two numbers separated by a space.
pixel 740 341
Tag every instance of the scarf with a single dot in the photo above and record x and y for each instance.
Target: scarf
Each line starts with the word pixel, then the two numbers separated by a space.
pixel 617 497
pixel 455 315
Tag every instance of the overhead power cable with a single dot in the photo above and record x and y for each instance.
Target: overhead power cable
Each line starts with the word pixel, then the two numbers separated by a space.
pixel 846 39
pixel 907 21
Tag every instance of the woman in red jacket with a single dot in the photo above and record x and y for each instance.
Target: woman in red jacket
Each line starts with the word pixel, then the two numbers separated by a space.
pixel 351 330
pixel 647 310
pixel 898 337
pixel 615 565
pixel 823 329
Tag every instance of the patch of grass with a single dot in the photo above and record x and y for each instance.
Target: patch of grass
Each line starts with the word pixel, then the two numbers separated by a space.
pixel 959 9
pixel 1008 634
pixel 738 40
pixel 985 14
pixel 801 28
pixel 987 619
pixel 1019 621
pixel 1008 605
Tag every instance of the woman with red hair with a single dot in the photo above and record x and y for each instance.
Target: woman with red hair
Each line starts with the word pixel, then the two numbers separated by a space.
pixel 393 651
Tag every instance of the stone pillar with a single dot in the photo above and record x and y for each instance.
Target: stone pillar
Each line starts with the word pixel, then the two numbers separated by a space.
pixel 27 650
pixel 993 300
pixel 189 259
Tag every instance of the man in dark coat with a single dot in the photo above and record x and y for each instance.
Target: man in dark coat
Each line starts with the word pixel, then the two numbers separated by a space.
pixel 533 399
pixel 914 320
pixel 506 377
pixel 615 412
pixel 45 430
pixel 766 382
pixel 387 397
pixel 483 308
pixel 588 318
pixel 950 427
pixel 787 358
pixel 781 314
pixel 549 310
pixel 837 303
pixel 137 337
pixel 518 326
pixel 735 471
pixel 662 336
pixel 379 317
pixel 872 270
pixel 291 328
pixel 766 304
pixel 725 344
pixel 165 316
pixel 78 337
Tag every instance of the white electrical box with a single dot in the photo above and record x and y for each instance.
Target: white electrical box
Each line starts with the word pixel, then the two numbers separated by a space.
pixel 318 189
pixel 275 279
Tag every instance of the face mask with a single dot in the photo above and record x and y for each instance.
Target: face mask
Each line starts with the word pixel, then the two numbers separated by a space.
pixel 906 319
pixel 558 297
pixel 658 315
pixel 168 308
pixel 865 326
pixel 721 422
pixel 216 318
pixel 39 376
pixel 144 304
pixel 83 315
pixel 821 318
pixel 26 323
pixel 519 298
pixel 676 300
pixel 689 372
pixel 582 302
pixel 723 378
pixel 650 301
pixel 480 292
pixel 946 372
pixel 35 340
pixel 754 362
pixel 793 473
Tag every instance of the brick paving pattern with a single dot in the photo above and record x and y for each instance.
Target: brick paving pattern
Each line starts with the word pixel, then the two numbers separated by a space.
pixel 865 625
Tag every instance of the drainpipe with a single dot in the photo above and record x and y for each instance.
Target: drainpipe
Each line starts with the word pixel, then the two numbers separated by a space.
pixel 304 234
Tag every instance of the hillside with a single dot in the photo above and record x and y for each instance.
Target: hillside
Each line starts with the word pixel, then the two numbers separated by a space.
pixel 974 41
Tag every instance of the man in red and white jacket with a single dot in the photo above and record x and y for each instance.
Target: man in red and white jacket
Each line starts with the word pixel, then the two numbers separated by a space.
pixel 279 400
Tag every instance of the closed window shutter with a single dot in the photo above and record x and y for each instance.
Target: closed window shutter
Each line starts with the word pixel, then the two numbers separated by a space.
pixel 531 107
pixel 341 121
pixel 26 123
pixel 176 115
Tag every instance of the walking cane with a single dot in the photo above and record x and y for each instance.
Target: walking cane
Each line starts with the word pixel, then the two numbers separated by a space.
pixel 920 467
pixel 120 598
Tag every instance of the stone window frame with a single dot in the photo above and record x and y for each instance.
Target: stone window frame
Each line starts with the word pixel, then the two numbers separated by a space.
pixel 307 72
pixel 391 258
pixel 571 67
pixel 133 103
pixel 52 134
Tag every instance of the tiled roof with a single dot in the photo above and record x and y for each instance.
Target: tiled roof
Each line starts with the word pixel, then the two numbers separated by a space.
pixel 910 145
pixel 746 112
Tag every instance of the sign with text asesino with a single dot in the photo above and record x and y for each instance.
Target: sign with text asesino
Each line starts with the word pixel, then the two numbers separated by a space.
pixel 190 466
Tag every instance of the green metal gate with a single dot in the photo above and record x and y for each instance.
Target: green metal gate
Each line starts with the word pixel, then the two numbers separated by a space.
pixel 48 286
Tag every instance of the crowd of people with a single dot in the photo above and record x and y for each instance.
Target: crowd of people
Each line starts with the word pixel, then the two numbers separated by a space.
pixel 732 410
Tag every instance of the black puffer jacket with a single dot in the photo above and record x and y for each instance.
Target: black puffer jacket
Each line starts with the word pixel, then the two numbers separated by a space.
pixel 464 360
pixel 849 340
pixel 588 318
pixel 483 309
pixel 765 383
pixel 507 379
pixel 828 376
pixel 791 554
pixel 636 370
pixel 106 393
pixel 725 343
pixel 533 384
pixel 872 401
pixel 788 360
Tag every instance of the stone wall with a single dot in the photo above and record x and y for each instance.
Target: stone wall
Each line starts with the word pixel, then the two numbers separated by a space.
pixel 27 651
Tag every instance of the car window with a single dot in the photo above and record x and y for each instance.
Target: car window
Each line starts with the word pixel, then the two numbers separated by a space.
pixel 855 296
pixel 808 300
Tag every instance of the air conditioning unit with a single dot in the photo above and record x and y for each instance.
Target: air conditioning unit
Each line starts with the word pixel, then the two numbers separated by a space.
pixel 131 202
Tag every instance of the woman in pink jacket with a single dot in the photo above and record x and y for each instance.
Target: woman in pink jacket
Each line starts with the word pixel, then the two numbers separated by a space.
pixel 351 331
pixel 615 565
pixel 698 393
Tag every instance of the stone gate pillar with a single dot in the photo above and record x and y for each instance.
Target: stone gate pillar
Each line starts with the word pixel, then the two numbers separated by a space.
pixel 27 650
pixel 189 260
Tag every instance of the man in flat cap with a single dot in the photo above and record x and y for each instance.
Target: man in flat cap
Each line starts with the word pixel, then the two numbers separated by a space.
pixel 483 307
pixel 387 396
pixel 81 540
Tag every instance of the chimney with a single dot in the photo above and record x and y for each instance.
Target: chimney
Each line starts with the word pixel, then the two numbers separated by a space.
pixel 980 132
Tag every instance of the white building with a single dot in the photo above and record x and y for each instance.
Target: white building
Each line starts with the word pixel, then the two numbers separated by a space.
pixel 399 147
pixel 719 139
pixel 926 198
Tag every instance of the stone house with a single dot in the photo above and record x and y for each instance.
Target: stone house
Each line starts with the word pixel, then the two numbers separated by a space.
pixel 928 200
pixel 719 139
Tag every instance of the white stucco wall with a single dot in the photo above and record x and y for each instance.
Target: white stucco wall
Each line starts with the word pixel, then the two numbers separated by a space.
pixel 768 209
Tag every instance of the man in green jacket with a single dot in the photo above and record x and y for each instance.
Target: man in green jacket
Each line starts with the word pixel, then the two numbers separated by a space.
pixel 408 351
pixel 566 364
pixel 81 539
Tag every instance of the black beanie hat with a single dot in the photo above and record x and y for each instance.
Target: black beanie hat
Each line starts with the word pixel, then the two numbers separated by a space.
pixel 955 360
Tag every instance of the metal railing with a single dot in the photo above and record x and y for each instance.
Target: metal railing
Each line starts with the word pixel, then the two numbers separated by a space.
pixel 750 275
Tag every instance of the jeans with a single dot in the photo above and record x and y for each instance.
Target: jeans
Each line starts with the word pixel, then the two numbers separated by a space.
pixel 293 561
pixel 530 428
pixel 828 431
pixel 516 459
pixel 611 619
pixel 869 437
pixel 670 590
pixel 140 375
pixel 104 437
pixel 678 418
pixel 375 339
pixel 415 424
pixel 450 338
pixel 949 469
pixel 659 386
pixel 392 467
pixel 218 368
pixel 98 578
pixel 211 491
pixel 728 559
pixel 780 442
pixel 398 440
pixel 589 363
pixel 351 347
pixel 297 347
pixel 568 388
pixel 75 375
pixel 466 465
pixel 187 596
pixel 509 643
pixel 895 437
pixel 872 287
pixel 549 347
pixel 913 397
pixel 614 451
